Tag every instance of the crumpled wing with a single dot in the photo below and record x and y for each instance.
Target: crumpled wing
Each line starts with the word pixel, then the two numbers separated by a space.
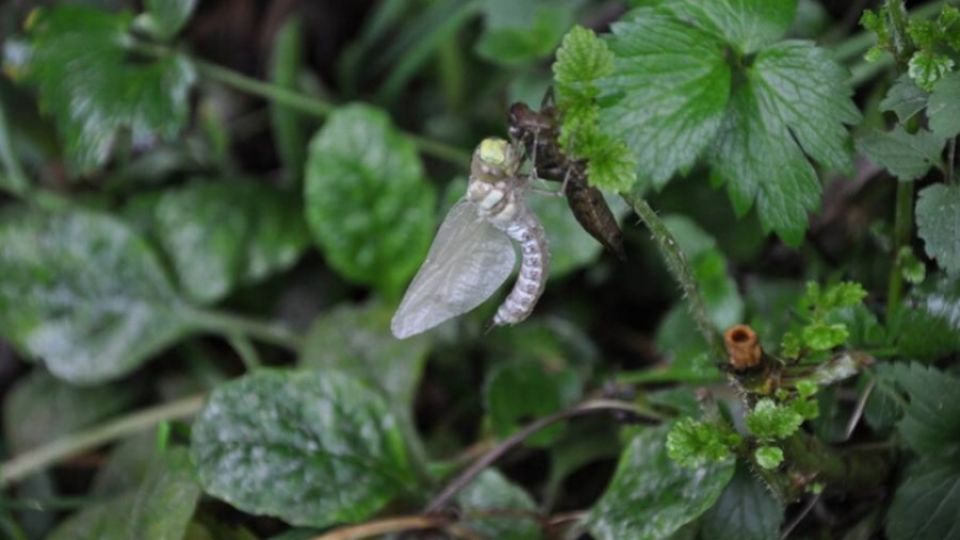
pixel 468 261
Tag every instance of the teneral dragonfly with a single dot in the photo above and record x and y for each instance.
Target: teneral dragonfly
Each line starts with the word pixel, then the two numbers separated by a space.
pixel 538 132
pixel 472 254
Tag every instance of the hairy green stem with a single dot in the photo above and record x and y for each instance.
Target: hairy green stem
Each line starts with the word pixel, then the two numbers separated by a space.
pixel 902 230
pixel 231 324
pixel 40 458
pixel 678 266
pixel 245 350
pixel 858 44
pixel 316 107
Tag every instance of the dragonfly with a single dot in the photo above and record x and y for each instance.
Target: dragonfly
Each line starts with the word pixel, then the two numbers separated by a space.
pixel 538 132
pixel 473 253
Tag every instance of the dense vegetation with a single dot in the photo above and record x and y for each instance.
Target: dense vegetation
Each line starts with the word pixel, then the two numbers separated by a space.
pixel 210 211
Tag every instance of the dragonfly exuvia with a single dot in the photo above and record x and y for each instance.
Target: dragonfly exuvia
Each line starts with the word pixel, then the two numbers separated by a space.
pixel 472 254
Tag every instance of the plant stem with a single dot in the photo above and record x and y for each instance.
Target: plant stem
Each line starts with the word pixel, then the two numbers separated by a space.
pixel 40 458
pixel 385 526
pixel 857 44
pixel 17 180
pixel 230 324
pixel 464 478
pixel 316 107
pixel 902 229
pixel 678 266
pixel 245 350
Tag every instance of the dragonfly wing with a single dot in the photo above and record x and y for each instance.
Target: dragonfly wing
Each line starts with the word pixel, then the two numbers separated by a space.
pixel 468 261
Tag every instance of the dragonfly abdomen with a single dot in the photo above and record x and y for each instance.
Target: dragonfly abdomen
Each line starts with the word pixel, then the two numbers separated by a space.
pixel 534 265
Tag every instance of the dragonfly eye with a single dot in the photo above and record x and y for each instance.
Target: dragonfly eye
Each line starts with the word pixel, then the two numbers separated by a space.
pixel 493 151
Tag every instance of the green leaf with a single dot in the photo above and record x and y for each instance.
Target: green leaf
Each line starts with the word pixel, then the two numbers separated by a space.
pixel 769 457
pixel 651 496
pixel 368 205
pixel 692 443
pixel 310 447
pixel 938 223
pixel 517 44
pixel 98 88
pixel 288 124
pixel 165 18
pixel 745 510
pixel 768 420
pixel 688 356
pixel 904 98
pixel 926 68
pixel 97 522
pixel 907 156
pixel 795 102
pixel 571 247
pixel 127 465
pixel 164 503
pixel 943 110
pixel 223 234
pixel 667 111
pixel 85 294
pixel 516 393
pixel 357 340
pixel 931 422
pixel 40 409
pixel 581 59
pixel 912 269
pixel 925 327
pixel 926 505
pixel 491 492
pixel 824 337
pixel 748 24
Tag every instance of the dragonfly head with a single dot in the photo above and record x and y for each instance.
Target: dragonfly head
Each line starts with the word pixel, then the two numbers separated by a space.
pixel 496 158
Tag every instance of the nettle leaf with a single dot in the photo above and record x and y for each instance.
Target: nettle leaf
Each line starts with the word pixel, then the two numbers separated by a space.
pixel 165 501
pixel 938 221
pixel 926 505
pixel 904 98
pixel 519 41
pixel 926 326
pixel 693 443
pixel 907 156
pixel 931 422
pixel 489 493
pixel 357 340
pixel 672 100
pixel 768 420
pixel 84 294
pixel 97 87
pixel 926 68
pixel 667 94
pixel 943 109
pixel 651 496
pixel 367 202
pixel 40 408
pixel 220 235
pixel 748 24
pixel 745 510
pixel 313 448
pixel 516 393
pixel 165 18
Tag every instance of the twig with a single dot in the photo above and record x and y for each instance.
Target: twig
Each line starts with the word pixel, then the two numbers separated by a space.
pixel 858 410
pixel 803 513
pixel 471 472
pixel 38 459
pixel 386 526
pixel 680 269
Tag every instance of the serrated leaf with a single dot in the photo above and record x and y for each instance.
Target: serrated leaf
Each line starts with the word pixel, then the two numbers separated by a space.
pixel 666 110
pixel 907 156
pixel 904 98
pixel 223 234
pixel 931 421
pixel 769 457
pixel 926 326
pixel 797 103
pixel 748 24
pixel 167 17
pixel 926 505
pixel 489 493
pixel 768 420
pixel 938 223
pixel 40 408
pixel 97 87
pixel 367 203
pixel 517 392
pixel 165 501
pixel 310 447
pixel 746 510
pixel 84 294
pixel 693 443
pixel 357 340
pixel 581 59
pixel 650 496
pixel 943 110
pixel 519 44
pixel 926 68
